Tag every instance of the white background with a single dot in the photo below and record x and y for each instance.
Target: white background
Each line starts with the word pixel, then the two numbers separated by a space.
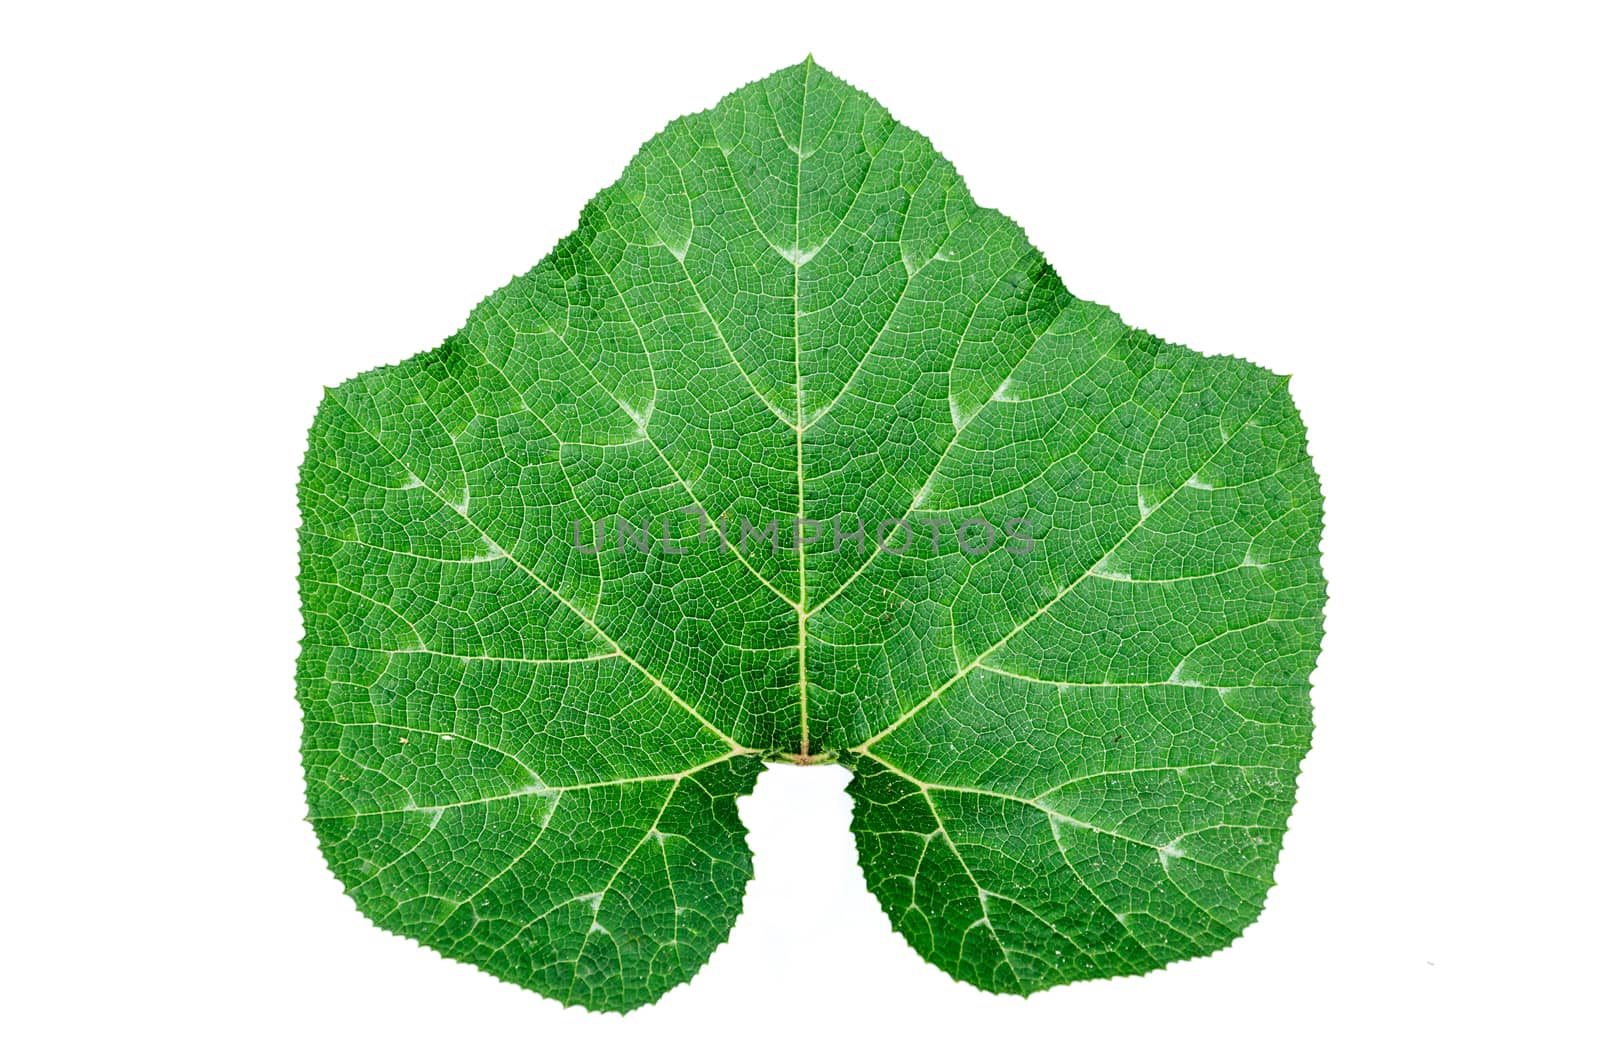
pixel 208 215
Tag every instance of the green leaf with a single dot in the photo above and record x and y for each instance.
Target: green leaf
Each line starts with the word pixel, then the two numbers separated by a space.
pixel 1074 753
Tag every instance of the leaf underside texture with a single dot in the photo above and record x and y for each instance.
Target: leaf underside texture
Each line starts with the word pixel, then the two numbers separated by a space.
pixel 1071 762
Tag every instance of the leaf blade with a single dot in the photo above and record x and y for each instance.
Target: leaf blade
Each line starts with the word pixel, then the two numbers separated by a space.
pixel 1079 758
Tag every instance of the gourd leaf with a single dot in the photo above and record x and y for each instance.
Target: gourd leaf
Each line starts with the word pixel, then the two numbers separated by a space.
pixel 789 347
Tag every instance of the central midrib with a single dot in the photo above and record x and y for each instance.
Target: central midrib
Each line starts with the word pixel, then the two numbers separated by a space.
pixel 799 424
